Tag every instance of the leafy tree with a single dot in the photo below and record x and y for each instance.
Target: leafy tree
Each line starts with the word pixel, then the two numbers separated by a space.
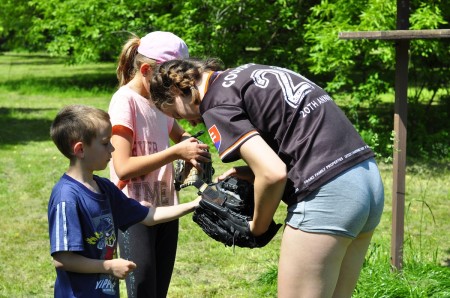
pixel 242 31
pixel 15 19
pixel 364 69
pixel 353 63
pixel 298 34
pixel 236 31
pixel 84 31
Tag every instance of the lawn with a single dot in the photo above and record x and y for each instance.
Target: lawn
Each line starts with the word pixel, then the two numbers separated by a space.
pixel 34 87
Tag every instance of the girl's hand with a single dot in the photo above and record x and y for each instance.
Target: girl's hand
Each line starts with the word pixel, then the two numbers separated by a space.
pixel 255 230
pixel 243 173
pixel 193 151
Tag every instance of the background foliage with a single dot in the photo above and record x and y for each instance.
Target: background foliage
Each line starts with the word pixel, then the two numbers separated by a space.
pixel 297 34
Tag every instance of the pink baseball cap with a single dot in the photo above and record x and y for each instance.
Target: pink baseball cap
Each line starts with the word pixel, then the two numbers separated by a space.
pixel 163 46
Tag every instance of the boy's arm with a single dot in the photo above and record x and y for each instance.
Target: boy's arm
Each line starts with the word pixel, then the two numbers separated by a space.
pixel 69 261
pixel 162 214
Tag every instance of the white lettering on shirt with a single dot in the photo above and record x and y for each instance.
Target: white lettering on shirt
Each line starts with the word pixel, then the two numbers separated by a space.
pixel 229 80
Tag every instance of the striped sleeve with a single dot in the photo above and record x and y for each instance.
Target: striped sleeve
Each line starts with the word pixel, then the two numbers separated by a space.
pixel 65 234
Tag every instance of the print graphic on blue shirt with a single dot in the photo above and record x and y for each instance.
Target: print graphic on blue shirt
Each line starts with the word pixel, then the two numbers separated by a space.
pixel 104 239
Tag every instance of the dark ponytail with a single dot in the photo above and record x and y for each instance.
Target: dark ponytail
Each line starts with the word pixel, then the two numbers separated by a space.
pixel 130 60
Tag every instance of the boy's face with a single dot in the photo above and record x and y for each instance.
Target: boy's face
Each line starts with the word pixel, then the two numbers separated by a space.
pixel 98 153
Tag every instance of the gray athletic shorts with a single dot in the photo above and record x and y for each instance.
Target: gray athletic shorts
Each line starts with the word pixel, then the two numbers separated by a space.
pixel 349 204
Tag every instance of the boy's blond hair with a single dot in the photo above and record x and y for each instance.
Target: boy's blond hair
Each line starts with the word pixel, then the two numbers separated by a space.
pixel 76 123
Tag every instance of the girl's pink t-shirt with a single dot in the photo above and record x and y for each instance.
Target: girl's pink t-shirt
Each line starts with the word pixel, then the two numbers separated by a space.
pixel 150 129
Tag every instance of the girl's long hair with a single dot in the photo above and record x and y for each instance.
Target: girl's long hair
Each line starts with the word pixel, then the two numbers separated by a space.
pixel 176 77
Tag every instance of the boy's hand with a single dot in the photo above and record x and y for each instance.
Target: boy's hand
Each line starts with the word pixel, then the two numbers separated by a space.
pixel 120 268
pixel 197 201
pixel 146 204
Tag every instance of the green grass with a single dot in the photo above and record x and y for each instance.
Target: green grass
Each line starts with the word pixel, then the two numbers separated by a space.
pixel 34 87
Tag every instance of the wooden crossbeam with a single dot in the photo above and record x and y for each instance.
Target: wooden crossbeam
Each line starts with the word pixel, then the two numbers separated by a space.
pixel 403 36
pixel 396 34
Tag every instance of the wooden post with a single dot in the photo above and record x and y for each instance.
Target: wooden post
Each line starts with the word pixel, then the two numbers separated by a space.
pixel 401 36
pixel 400 121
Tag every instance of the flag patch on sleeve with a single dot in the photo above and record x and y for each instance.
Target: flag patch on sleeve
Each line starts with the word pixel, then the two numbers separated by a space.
pixel 215 136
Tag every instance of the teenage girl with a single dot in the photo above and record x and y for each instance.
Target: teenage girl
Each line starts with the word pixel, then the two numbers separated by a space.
pixel 300 148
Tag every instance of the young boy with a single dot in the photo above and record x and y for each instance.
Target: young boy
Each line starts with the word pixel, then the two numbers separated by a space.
pixel 85 211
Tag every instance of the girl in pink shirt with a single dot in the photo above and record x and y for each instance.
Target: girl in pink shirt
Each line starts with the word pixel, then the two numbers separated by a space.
pixel 142 161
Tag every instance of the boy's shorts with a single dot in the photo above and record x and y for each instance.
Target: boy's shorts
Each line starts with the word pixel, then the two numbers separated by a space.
pixel 349 204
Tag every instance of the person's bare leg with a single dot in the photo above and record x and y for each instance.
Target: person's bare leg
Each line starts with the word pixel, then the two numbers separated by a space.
pixel 309 263
pixel 351 266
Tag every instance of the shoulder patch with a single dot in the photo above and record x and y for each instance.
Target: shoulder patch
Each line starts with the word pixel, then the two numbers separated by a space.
pixel 215 136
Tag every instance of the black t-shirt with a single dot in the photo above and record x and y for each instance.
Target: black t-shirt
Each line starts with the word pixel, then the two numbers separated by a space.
pixel 297 118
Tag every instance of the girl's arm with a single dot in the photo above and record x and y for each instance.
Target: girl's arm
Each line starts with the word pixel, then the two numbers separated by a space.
pixel 162 214
pixel 73 262
pixel 128 166
pixel 270 180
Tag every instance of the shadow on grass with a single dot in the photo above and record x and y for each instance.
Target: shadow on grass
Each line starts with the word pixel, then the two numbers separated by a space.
pixel 15 131
pixel 87 82
pixel 28 55
pixel 46 73
pixel 30 59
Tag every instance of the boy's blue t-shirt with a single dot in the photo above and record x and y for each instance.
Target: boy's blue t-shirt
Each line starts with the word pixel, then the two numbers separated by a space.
pixel 86 223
